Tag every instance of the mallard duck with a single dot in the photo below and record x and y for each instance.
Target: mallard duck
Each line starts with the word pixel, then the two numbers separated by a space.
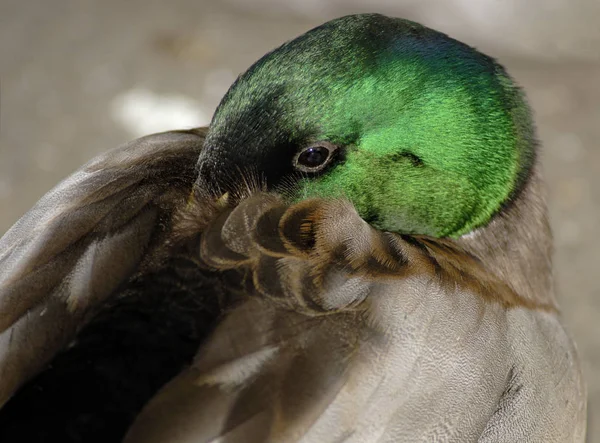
pixel 356 249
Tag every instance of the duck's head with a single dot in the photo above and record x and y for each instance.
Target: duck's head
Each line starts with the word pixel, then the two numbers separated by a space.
pixel 422 133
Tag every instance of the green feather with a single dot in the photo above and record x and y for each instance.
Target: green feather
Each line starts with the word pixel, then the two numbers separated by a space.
pixel 437 137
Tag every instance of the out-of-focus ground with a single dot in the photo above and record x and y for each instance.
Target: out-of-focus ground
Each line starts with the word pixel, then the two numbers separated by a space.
pixel 80 76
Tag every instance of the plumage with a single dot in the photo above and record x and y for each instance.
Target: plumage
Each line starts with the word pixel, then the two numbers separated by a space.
pixel 360 254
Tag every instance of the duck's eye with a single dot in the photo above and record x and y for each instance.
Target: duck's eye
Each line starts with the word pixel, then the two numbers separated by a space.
pixel 314 157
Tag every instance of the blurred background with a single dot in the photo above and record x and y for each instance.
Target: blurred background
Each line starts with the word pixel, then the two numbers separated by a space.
pixel 79 77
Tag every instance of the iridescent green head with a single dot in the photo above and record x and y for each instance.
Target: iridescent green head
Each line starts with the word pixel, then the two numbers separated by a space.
pixel 421 132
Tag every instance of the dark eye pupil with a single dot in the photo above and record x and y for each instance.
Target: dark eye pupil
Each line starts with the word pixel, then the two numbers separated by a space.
pixel 314 156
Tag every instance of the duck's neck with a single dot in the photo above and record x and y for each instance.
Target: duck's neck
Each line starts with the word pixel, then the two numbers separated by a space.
pixel 517 244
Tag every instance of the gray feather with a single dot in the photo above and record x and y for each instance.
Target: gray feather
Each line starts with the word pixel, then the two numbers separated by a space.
pixel 66 257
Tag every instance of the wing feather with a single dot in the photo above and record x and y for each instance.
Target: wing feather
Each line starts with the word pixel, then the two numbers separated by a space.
pixel 66 256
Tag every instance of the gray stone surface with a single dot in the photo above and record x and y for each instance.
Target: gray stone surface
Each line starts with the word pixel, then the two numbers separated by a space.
pixel 82 76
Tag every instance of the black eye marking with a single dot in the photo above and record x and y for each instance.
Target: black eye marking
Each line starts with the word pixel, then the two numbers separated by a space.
pixel 315 157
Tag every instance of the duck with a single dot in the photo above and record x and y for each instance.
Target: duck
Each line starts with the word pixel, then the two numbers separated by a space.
pixel 356 249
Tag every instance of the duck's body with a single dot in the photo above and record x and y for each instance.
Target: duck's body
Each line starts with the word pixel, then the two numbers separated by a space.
pixel 430 347
pixel 394 283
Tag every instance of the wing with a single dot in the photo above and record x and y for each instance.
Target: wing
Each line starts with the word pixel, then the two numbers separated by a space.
pixel 66 257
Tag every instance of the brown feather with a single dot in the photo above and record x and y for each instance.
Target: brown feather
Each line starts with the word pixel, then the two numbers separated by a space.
pixel 291 249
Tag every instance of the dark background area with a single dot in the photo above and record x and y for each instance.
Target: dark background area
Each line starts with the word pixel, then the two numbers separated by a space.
pixel 79 77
